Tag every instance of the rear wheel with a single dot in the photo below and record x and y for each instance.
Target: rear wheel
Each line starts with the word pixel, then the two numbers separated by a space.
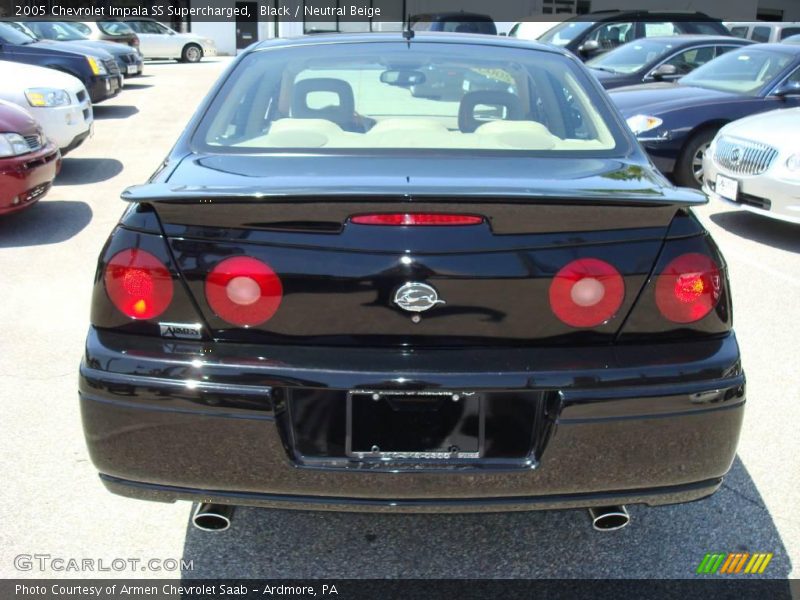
pixel 689 168
pixel 192 53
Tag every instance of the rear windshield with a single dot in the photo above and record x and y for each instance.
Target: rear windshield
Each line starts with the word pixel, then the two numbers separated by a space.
pixel 407 96
pixel 114 28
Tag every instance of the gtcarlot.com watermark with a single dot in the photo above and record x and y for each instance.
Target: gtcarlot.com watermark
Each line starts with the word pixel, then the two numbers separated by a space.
pixel 61 564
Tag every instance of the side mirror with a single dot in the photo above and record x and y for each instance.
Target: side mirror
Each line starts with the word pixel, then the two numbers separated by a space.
pixel 663 72
pixel 589 47
pixel 792 89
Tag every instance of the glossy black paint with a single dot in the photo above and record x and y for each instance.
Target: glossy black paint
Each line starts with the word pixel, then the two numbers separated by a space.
pixel 562 417
pixel 687 110
pixel 678 44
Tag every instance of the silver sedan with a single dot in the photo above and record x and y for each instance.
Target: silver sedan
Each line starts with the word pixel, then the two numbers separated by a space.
pixel 754 164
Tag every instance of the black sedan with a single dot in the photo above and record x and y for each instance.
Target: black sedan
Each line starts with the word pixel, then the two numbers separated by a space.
pixel 675 122
pixel 659 59
pixel 334 294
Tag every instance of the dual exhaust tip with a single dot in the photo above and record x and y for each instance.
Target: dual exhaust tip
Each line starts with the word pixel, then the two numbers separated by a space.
pixel 217 517
pixel 609 518
pixel 212 517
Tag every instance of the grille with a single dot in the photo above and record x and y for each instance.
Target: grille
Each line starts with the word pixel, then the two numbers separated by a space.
pixel 744 157
pixel 111 66
pixel 34 142
pixel 129 59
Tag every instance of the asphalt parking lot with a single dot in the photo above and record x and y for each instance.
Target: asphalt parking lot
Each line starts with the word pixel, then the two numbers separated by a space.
pixel 51 501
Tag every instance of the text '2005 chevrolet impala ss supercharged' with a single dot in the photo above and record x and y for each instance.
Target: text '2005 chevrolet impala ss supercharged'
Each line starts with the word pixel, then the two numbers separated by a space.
pixel 344 290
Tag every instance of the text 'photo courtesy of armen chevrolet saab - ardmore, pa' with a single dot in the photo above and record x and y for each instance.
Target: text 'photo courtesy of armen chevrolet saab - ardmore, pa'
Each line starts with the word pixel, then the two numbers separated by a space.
pixel 307 303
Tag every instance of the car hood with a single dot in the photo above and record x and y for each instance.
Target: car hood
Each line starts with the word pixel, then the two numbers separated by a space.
pixel 21 75
pixel 608 77
pixel 779 128
pixel 14 119
pixel 655 98
pixel 95 47
pixel 72 48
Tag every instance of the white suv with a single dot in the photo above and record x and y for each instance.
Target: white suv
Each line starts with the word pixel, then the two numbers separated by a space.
pixel 762 31
pixel 156 40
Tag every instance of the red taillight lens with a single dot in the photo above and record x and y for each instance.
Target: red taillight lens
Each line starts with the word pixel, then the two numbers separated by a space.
pixel 587 292
pixel 138 284
pixel 688 288
pixel 244 291
pixel 416 219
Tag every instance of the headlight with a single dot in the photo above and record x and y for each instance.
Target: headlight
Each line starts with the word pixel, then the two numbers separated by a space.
pixel 47 97
pixel 13 144
pixel 641 123
pixel 793 162
pixel 98 68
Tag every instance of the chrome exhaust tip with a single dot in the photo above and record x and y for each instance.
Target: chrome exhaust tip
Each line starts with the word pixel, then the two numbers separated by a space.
pixel 609 518
pixel 212 517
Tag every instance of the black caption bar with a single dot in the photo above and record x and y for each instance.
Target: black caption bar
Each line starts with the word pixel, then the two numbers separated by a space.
pixel 385 589
pixel 388 11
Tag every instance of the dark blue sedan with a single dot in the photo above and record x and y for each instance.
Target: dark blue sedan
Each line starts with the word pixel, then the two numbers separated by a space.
pixel 675 122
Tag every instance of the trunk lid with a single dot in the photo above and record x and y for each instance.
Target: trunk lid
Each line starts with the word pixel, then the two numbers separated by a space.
pixel 341 280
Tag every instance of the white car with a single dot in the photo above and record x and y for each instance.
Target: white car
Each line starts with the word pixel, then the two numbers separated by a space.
pixel 754 164
pixel 156 40
pixel 58 101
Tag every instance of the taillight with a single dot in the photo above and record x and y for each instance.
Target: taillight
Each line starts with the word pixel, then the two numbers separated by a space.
pixel 243 291
pixel 416 219
pixel 138 283
pixel 587 292
pixel 688 288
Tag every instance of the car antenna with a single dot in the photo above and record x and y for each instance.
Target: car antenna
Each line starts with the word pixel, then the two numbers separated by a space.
pixel 408 33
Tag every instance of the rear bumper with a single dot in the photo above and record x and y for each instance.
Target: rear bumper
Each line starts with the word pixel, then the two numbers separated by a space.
pixel 192 421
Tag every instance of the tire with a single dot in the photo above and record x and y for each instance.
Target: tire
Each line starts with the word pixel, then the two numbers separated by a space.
pixel 192 53
pixel 689 167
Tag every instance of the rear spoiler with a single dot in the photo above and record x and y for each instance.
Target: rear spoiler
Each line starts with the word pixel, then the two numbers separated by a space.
pixel 524 211
pixel 164 193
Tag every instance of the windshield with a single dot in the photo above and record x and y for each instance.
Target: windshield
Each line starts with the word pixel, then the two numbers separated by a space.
pixel 744 71
pixel 631 57
pixel 53 30
pixel 563 33
pixel 114 28
pixel 398 96
pixel 10 35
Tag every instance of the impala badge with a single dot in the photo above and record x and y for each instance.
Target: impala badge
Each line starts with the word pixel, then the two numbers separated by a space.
pixel 417 297
pixel 186 331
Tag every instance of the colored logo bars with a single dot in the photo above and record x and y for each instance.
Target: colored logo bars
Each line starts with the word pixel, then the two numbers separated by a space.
pixel 740 562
